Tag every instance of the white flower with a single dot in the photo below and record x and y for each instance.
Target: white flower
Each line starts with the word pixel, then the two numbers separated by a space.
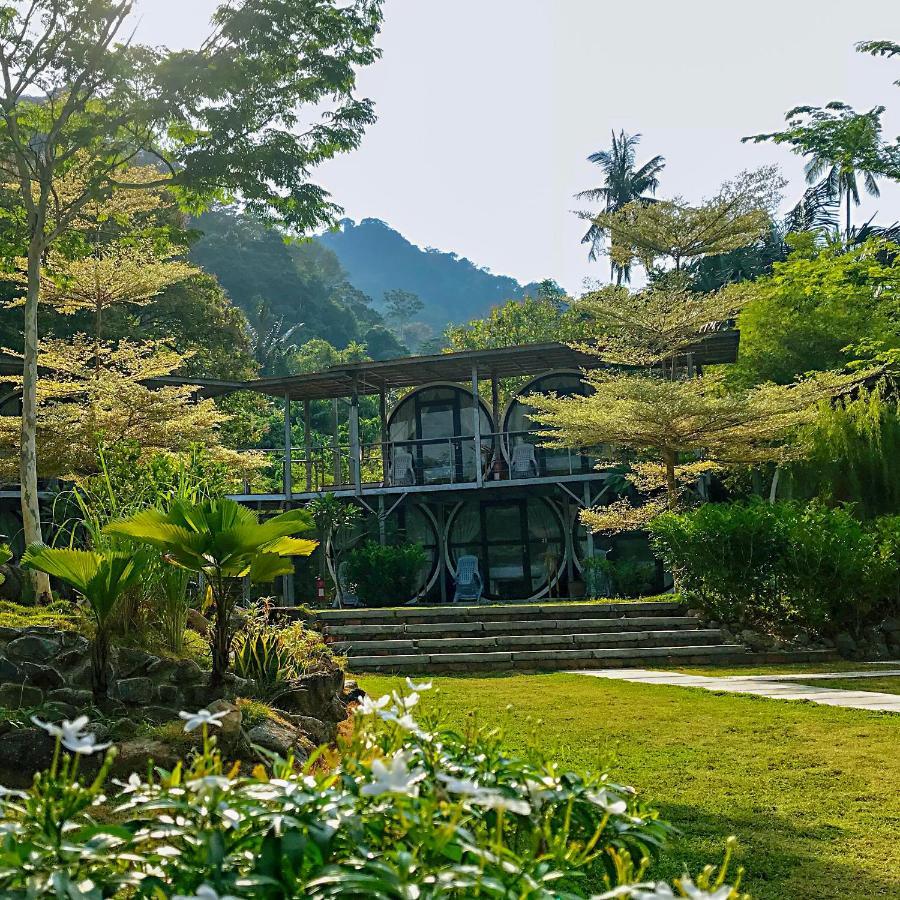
pixel 459 785
pixel 607 801
pixel 11 828
pixel 491 798
pixel 209 783
pixel 203 717
pixel 393 778
pixel 406 703
pixel 424 686
pixel 368 706
pixel 662 891
pixel 205 892
pixel 71 736
pixel 405 721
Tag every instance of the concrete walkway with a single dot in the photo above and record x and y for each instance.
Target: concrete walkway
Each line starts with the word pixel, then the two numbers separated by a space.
pixel 778 687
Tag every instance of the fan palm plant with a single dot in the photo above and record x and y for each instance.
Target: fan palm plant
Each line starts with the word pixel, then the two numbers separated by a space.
pixel 225 542
pixel 102 579
pixel 623 184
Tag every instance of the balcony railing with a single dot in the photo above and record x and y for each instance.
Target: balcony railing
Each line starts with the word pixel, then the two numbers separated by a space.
pixel 422 464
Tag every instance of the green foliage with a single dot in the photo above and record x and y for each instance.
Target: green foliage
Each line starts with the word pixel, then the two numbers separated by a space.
pixel 59 614
pixel 102 579
pixel 385 575
pixel 225 542
pixel 335 520
pixel 853 456
pixel 627 577
pixel 412 810
pixel 817 305
pixel 781 565
pixel 262 657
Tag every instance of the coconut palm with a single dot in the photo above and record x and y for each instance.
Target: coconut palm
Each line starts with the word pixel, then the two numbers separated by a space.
pixel 102 579
pixel 622 184
pixel 225 542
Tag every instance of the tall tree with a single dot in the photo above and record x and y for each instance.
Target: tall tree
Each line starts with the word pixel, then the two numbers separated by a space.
pixel 672 232
pixel 622 184
pixel 677 427
pixel 402 307
pixel 219 121
pixel 842 146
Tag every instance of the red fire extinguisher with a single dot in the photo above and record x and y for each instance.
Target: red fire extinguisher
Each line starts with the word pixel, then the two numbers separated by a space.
pixel 320 588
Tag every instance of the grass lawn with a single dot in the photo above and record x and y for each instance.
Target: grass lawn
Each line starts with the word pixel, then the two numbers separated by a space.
pixel 812 792
pixel 889 684
pixel 836 665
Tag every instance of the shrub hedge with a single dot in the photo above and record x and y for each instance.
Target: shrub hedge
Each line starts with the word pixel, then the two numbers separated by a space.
pixel 783 565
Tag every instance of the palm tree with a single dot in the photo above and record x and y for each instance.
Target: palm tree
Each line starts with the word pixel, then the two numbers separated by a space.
pixel 102 579
pixel 839 163
pixel 226 542
pixel 622 184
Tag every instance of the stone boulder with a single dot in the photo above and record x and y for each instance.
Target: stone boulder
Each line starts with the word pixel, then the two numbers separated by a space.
pixel 41 676
pixel 316 730
pixel 20 696
pixel 135 691
pixel 274 737
pixel 136 755
pixel 845 644
pixel 229 730
pixel 317 695
pixel 34 647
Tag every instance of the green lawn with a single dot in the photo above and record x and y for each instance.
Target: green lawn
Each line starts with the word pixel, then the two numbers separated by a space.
pixel 836 665
pixel 810 791
pixel 888 684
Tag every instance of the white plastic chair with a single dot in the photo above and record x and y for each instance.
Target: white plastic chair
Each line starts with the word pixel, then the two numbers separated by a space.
pixel 469 584
pixel 523 461
pixel 402 471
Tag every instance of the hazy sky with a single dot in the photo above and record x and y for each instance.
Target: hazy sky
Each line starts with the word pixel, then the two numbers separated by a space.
pixel 488 108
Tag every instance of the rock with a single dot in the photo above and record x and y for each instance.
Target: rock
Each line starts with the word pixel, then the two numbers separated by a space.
pixel 24 751
pixel 19 696
pixel 138 754
pixel 12 582
pixel 198 622
pixel 316 730
pixel 123 729
pixel 187 671
pixel 132 661
pixel 163 670
pixel 158 715
pixel 71 659
pixel 845 644
pixel 71 640
pixel 110 707
pixel 352 691
pixel 237 686
pixel 168 695
pixel 34 647
pixel 9 634
pixel 316 695
pixel 754 640
pixel 79 699
pixel 55 711
pixel 229 729
pixel 135 690
pixel 42 676
pixel 9 671
pixel 271 736
pixel 891 625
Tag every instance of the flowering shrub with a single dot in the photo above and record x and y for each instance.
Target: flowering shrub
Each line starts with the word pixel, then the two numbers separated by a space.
pixel 409 810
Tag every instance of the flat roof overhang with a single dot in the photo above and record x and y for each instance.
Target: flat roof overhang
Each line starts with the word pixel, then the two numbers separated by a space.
pixel 719 346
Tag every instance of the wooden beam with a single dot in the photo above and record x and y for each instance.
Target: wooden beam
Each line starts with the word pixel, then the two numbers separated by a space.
pixel 288 450
pixel 476 416
pixel 385 446
pixel 355 450
pixel 307 444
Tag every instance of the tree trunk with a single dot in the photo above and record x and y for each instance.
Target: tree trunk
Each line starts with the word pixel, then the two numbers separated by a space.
pixel 100 663
pixel 31 510
pixel 848 217
pixel 671 483
pixel 221 645
pixel 773 490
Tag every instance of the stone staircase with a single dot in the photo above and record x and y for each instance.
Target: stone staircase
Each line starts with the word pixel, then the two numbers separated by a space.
pixel 531 636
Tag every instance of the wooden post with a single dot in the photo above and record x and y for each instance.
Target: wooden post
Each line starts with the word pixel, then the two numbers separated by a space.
pixel 355 456
pixel 288 449
pixel 335 446
pixel 476 417
pixel 382 523
pixel 495 402
pixel 385 448
pixel 307 445
pixel 590 534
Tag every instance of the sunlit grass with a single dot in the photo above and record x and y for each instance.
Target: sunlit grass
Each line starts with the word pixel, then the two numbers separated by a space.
pixel 810 791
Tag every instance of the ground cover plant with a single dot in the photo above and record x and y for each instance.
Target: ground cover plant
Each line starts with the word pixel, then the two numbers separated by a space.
pixel 809 791
pixel 411 809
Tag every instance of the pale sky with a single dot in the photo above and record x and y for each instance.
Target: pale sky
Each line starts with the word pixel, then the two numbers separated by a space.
pixel 488 108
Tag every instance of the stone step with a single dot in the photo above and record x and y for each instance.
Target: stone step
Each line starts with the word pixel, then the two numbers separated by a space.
pixel 581 657
pixel 367 633
pixel 483 613
pixel 526 642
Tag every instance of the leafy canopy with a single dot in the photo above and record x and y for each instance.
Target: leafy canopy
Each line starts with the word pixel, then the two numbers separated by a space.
pixel 221 538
